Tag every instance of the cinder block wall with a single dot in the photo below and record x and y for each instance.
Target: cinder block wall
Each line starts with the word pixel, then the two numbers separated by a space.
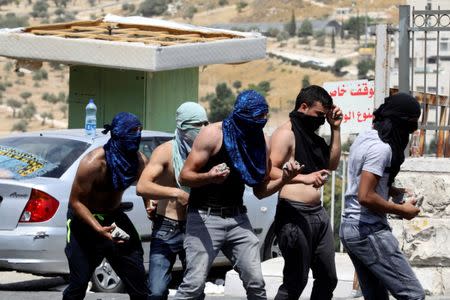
pixel 426 239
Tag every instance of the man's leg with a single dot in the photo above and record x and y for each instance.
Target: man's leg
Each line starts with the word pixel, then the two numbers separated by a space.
pixel 204 237
pixel 242 248
pixel 127 261
pixel 81 265
pixel 165 244
pixel 393 269
pixel 323 264
pixel 294 240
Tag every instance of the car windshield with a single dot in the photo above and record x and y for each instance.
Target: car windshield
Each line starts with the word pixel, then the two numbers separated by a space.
pixel 27 157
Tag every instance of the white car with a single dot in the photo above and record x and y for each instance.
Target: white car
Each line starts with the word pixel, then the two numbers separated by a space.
pixel 33 210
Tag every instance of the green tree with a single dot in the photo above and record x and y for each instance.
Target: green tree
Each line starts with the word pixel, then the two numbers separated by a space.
pixel 240 6
pixel 223 2
pixel 263 87
pixel 221 104
pixel 150 8
pixel 29 110
pixel 5 2
pixel 14 104
pixel 237 84
pixel 25 96
pixel 40 9
pixel 333 41
pixel 63 109
pixel 21 125
pixel 40 74
pixel 10 20
pixel 305 29
pixel 291 26
pixel 190 12
pixel 355 25
pixel 45 116
pixel 339 64
pixel 364 66
pixel 305 81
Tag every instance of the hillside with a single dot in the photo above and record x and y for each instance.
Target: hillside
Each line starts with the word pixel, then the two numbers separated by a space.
pixel 285 80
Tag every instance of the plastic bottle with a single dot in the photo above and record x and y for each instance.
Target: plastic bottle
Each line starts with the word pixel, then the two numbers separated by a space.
pixel 91 118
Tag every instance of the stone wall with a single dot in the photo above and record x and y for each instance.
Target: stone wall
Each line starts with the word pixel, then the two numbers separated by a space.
pixel 425 240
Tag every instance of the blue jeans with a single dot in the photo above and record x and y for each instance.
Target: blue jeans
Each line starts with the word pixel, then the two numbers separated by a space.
pixel 206 235
pixel 378 261
pixel 166 244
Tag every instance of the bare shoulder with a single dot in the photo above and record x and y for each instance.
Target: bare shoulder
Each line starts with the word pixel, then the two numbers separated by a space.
pixel 162 153
pixel 93 163
pixel 283 135
pixel 209 136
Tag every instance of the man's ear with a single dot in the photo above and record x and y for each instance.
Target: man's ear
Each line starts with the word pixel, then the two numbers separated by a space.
pixel 303 107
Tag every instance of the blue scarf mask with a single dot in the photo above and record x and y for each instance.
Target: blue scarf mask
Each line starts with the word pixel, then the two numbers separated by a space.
pixel 121 150
pixel 243 136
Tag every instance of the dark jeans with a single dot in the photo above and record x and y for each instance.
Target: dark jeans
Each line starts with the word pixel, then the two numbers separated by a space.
pixel 306 241
pixel 378 261
pixel 167 243
pixel 85 250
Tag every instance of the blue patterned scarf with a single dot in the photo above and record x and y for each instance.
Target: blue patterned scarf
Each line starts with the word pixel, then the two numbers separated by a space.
pixel 122 149
pixel 244 138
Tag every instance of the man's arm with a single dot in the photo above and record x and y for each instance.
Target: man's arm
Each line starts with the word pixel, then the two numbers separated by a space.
pixel 88 169
pixel 148 188
pixel 369 198
pixel 203 148
pixel 334 118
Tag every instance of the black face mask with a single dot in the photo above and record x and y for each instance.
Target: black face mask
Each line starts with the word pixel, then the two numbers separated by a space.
pixel 311 123
pixel 412 126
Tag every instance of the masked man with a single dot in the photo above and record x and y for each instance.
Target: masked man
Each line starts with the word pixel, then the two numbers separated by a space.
pixel 159 181
pixel 374 161
pixel 94 205
pixel 225 157
pixel 302 225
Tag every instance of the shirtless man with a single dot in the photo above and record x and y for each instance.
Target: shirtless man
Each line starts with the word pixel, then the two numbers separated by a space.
pixel 302 225
pixel 94 205
pixel 159 181
pixel 217 218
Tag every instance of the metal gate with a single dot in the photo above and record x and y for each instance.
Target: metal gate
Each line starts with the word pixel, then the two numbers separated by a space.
pixel 424 71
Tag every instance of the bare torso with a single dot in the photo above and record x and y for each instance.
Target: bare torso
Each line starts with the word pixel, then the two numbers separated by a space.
pixel 169 208
pixel 101 198
pixel 297 191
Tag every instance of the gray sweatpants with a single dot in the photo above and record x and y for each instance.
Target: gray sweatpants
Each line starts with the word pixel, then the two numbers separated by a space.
pixel 205 236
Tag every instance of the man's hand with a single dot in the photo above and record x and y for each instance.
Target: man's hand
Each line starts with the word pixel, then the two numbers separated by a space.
pixel 409 210
pixel 316 179
pixel 182 197
pixel 290 170
pixel 105 232
pixel 151 209
pixel 334 117
pixel 217 174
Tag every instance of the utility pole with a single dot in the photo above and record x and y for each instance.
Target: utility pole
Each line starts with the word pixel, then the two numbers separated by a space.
pixel 365 24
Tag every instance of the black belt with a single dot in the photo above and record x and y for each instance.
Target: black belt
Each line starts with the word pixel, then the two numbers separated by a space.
pixel 224 212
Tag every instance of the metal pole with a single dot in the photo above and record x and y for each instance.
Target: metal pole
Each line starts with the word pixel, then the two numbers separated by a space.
pixel 333 190
pixel 344 188
pixel 381 66
pixel 365 24
pixel 403 71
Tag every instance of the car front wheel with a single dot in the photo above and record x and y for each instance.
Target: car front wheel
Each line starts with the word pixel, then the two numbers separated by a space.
pixel 271 247
pixel 105 280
